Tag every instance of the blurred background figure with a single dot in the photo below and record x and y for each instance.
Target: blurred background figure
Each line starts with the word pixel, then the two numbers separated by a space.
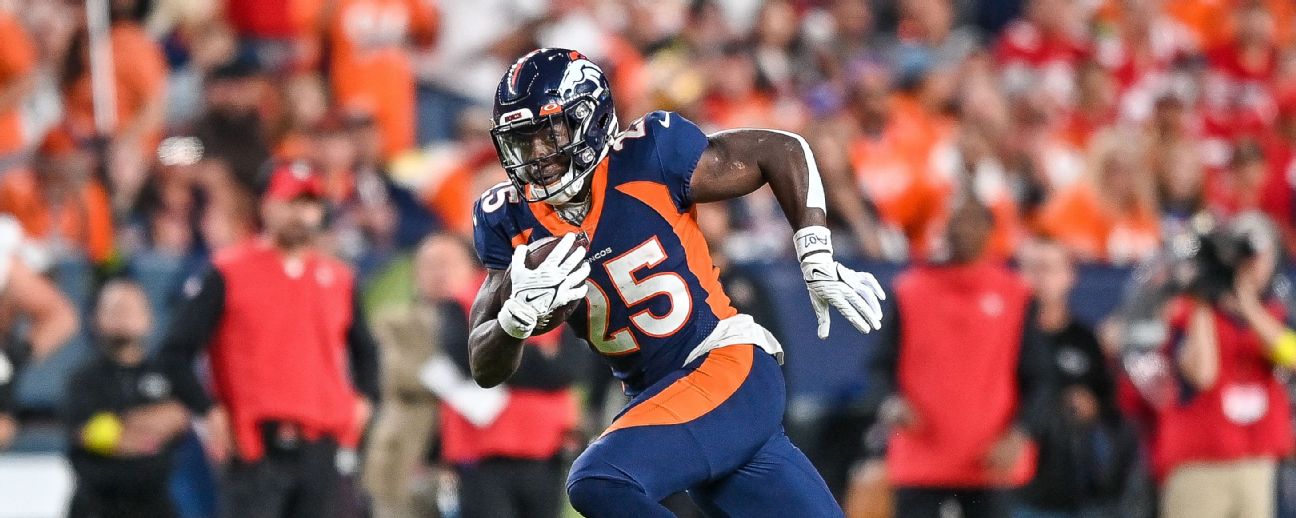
pixel 964 379
pixel 370 66
pixel 17 80
pixel 508 445
pixel 1103 126
pixel 1086 450
pixel 121 416
pixel 294 367
pixel 1218 442
pixel 1111 214
pixel 60 202
pixel 25 294
pixel 397 474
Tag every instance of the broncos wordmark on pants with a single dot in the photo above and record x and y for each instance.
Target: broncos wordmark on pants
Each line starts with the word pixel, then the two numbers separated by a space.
pixel 708 394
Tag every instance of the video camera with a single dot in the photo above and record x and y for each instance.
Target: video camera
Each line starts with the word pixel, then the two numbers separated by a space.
pixel 1205 256
pixel 1201 258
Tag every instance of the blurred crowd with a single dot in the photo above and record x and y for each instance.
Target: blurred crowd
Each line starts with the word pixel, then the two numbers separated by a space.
pixel 1098 123
pixel 133 140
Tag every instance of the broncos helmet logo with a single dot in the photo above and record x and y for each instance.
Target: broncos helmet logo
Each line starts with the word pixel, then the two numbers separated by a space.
pixel 581 77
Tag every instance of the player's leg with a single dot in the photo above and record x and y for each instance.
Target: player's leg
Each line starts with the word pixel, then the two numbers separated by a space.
pixel 747 491
pixel 627 472
pixel 693 426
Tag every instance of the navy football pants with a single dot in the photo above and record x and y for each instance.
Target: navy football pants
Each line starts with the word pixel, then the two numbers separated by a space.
pixel 713 428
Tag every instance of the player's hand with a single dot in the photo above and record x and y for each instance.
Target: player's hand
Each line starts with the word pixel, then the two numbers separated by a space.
pixel 538 291
pixel 856 295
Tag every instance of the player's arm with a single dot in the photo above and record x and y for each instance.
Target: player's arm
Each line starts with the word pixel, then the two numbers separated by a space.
pixel 500 324
pixel 737 162
pixel 493 354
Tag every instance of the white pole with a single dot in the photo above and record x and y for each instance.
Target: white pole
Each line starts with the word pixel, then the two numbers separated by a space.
pixel 103 86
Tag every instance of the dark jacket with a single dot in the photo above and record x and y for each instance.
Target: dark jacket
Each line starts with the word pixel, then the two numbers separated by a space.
pixel 1080 463
pixel 103 385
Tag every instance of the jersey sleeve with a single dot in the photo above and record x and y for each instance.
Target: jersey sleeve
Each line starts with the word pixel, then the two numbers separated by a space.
pixel 678 144
pixel 490 240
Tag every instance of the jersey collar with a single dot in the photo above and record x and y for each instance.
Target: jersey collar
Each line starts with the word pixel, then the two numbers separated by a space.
pixel 556 225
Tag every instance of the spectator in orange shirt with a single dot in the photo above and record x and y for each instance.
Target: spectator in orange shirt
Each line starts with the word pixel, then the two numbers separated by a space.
pixel 880 153
pixel 370 62
pixel 139 83
pixel 1214 21
pixel 139 73
pixel 970 166
pixel 59 202
pixel 17 67
pixel 1112 215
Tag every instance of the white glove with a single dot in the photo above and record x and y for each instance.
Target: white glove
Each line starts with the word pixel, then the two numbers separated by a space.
pixel 538 292
pixel 856 295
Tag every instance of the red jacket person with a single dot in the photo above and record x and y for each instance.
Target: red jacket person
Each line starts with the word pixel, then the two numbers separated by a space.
pixel 293 365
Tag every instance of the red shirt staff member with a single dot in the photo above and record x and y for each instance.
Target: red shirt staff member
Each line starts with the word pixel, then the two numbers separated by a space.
pixel 1217 445
pixel 964 379
pixel 284 324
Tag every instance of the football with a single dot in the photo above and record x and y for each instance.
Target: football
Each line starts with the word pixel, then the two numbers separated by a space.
pixel 540 250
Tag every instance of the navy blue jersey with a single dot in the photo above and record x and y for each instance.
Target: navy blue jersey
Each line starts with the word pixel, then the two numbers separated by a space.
pixel 654 294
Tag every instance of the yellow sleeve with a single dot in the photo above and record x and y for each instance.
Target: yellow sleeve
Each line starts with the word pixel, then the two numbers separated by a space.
pixel 1283 350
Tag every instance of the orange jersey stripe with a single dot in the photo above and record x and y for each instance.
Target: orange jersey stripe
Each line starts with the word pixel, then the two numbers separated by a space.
pixel 686 229
pixel 522 238
pixel 697 393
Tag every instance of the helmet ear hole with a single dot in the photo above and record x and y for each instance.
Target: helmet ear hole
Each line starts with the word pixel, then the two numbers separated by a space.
pixel 603 121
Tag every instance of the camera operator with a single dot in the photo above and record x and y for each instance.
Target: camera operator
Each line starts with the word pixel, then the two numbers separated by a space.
pixel 1219 439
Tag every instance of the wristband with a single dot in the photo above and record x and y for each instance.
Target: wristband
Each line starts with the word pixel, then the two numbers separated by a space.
pixel 812 240
pixel 517 320
pixel 1283 350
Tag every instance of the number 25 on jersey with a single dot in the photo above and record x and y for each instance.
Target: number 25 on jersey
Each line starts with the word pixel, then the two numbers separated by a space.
pixel 633 291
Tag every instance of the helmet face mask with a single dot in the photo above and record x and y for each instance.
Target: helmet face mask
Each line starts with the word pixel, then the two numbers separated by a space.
pixel 554 122
pixel 529 147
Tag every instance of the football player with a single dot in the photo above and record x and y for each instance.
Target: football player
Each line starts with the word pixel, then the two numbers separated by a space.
pixel 707 392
